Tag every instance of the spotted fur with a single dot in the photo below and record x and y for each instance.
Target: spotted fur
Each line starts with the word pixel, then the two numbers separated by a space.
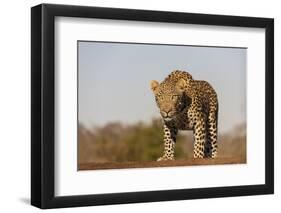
pixel 187 104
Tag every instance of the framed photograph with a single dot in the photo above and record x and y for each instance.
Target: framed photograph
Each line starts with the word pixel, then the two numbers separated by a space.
pixel 139 106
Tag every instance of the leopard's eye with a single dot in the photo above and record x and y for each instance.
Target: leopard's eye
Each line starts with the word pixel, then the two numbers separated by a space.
pixel 158 97
pixel 174 97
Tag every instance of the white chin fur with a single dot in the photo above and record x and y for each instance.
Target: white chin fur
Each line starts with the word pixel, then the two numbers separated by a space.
pixel 167 119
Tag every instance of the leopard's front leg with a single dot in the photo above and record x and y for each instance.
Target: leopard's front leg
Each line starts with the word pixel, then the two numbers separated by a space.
pixel 199 136
pixel 170 134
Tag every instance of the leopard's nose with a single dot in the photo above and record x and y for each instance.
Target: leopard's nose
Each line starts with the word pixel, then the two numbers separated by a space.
pixel 170 113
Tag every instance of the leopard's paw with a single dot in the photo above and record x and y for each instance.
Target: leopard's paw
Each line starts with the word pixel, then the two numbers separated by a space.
pixel 165 158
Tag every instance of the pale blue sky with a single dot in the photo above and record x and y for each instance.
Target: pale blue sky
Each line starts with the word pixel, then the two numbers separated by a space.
pixel 114 80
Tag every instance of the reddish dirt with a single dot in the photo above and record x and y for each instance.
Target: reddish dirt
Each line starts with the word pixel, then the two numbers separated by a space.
pixel 189 162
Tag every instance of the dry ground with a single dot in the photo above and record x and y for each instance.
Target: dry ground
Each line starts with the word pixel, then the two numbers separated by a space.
pixel 189 162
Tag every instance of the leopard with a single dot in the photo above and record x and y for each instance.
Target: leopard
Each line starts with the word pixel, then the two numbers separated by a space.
pixel 187 104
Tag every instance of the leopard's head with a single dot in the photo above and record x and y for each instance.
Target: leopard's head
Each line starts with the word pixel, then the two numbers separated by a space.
pixel 170 97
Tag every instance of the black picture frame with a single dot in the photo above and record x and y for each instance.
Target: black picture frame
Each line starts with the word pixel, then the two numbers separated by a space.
pixel 43 102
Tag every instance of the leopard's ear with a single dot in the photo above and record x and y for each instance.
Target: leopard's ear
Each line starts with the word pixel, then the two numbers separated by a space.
pixel 154 85
pixel 181 85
